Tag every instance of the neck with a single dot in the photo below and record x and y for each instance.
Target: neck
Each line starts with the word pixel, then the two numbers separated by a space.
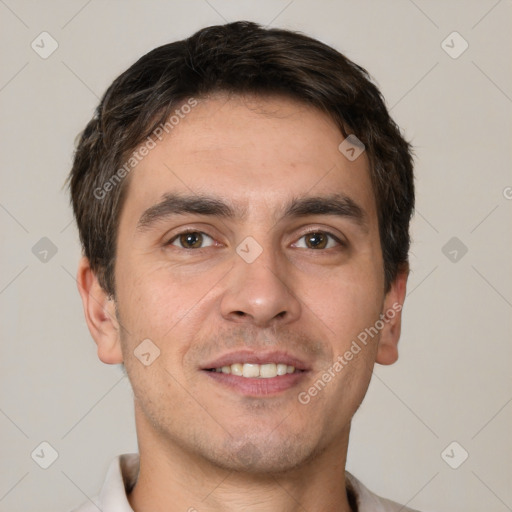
pixel 172 479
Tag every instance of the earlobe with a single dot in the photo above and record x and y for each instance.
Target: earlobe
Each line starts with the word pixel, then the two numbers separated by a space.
pixel 387 352
pixel 100 314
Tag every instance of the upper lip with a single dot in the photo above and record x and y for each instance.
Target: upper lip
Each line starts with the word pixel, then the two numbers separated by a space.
pixel 257 357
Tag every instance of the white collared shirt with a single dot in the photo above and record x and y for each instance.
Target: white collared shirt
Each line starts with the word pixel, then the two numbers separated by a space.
pixel 123 471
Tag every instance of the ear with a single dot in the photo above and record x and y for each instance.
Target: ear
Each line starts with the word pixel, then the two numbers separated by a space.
pixel 100 314
pixel 387 352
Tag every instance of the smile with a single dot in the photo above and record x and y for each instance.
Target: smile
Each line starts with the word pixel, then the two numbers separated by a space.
pixel 256 371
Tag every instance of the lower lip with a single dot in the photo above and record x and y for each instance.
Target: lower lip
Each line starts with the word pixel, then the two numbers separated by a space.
pixel 258 387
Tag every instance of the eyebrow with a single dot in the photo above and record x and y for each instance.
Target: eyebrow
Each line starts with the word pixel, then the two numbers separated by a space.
pixel 174 204
pixel 177 204
pixel 339 205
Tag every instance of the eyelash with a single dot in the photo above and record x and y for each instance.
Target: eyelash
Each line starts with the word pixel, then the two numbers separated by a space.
pixel 305 234
pixel 316 231
pixel 177 236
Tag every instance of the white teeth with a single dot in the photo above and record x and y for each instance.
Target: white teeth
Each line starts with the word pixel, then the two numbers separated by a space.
pixel 251 370
pixel 281 369
pixel 263 371
pixel 237 369
pixel 268 371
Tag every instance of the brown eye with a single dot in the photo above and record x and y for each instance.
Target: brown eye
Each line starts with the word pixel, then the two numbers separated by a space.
pixel 317 240
pixel 192 240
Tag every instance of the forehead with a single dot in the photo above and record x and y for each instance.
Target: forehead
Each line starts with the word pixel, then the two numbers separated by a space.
pixel 255 153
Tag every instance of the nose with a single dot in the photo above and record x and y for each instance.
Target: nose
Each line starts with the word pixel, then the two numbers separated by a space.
pixel 259 293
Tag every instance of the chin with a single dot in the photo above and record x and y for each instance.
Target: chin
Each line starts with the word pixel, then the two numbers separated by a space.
pixel 262 456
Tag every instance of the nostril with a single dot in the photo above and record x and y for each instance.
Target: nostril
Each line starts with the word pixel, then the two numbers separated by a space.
pixel 239 313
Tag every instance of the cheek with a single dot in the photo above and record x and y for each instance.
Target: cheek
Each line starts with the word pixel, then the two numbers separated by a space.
pixel 163 304
pixel 346 302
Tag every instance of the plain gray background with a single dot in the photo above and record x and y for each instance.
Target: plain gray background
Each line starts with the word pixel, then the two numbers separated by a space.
pixel 453 379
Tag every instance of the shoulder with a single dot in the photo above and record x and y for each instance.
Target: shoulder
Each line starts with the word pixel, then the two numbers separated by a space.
pixel 120 478
pixel 367 501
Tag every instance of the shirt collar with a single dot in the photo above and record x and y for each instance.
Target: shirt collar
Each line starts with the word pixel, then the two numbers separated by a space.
pixel 121 477
pixel 123 472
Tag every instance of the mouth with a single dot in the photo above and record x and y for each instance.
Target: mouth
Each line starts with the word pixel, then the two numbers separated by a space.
pixel 256 371
pixel 257 374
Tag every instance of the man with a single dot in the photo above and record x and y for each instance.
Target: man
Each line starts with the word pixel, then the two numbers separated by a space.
pixel 243 201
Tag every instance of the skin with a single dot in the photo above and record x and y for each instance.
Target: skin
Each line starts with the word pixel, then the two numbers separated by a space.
pixel 202 444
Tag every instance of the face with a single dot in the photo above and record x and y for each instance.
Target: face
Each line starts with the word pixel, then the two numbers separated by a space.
pixel 249 254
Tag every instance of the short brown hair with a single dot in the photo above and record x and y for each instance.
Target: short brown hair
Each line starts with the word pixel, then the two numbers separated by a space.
pixel 240 58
